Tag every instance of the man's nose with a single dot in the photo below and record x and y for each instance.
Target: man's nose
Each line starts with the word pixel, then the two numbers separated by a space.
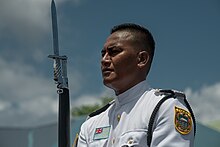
pixel 105 59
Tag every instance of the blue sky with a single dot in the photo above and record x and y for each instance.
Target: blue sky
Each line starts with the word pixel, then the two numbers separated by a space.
pixel 187 36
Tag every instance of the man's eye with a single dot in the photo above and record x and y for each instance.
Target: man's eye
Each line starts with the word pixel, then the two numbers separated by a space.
pixel 111 51
pixel 114 52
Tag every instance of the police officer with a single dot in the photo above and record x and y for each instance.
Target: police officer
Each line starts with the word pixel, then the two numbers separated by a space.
pixel 140 116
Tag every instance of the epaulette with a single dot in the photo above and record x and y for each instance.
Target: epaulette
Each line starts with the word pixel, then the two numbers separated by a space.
pixel 97 112
pixel 174 93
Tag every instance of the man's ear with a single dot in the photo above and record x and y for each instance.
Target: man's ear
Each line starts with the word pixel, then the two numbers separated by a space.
pixel 143 59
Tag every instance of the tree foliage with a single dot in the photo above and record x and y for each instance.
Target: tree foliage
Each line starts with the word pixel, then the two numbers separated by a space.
pixel 87 109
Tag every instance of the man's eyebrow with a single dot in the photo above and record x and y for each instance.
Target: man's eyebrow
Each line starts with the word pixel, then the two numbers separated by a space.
pixel 111 47
pixel 107 48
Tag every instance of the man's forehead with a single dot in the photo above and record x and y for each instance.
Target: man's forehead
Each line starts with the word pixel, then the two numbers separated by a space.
pixel 118 37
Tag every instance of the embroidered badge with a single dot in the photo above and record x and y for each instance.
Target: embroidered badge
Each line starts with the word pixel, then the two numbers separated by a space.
pixel 101 133
pixel 183 121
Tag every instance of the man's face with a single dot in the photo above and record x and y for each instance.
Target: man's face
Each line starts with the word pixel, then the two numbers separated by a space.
pixel 119 62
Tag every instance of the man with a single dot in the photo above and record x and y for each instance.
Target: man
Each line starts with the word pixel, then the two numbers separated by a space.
pixel 139 116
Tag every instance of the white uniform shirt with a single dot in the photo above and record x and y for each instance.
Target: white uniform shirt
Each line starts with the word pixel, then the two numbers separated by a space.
pixel 125 122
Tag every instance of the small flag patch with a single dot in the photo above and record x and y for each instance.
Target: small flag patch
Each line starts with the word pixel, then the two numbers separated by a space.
pixel 101 133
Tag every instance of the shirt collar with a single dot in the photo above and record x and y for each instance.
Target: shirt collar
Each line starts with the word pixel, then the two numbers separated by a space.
pixel 133 93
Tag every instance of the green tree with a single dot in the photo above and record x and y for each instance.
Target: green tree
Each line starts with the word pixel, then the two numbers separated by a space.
pixel 87 109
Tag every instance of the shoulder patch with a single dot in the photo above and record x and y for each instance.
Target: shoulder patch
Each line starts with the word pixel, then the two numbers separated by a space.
pixel 182 121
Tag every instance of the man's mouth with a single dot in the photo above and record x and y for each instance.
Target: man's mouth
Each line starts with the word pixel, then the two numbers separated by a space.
pixel 106 70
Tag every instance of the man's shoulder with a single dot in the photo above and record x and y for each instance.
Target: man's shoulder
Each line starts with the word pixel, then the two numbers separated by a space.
pixel 155 96
pixel 96 118
pixel 101 110
pixel 171 93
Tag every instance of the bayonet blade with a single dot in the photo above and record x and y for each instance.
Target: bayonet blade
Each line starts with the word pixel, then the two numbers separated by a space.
pixel 55 28
pixel 56 57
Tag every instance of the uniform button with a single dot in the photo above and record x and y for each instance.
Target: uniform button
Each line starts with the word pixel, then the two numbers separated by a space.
pixel 130 141
pixel 118 117
pixel 113 140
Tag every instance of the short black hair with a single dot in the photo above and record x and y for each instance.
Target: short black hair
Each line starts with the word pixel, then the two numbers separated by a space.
pixel 141 33
pixel 132 27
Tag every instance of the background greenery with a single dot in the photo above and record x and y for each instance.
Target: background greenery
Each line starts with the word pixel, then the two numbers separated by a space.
pixel 87 109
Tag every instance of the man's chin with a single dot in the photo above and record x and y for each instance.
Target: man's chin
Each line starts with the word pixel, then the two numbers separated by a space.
pixel 108 82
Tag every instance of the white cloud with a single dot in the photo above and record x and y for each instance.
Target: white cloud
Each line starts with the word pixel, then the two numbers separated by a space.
pixel 29 112
pixel 4 105
pixel 27 97
pixel 205 102
pixel 21 81
pixel 25 28
pixel 93 98
pixel 25 94
pixel 86 100
pixel 26 20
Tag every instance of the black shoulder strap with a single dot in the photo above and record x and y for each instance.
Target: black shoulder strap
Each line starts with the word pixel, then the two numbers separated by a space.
pixel 169 94
pixel 153 115
pixel 100 110
pixel 192 114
